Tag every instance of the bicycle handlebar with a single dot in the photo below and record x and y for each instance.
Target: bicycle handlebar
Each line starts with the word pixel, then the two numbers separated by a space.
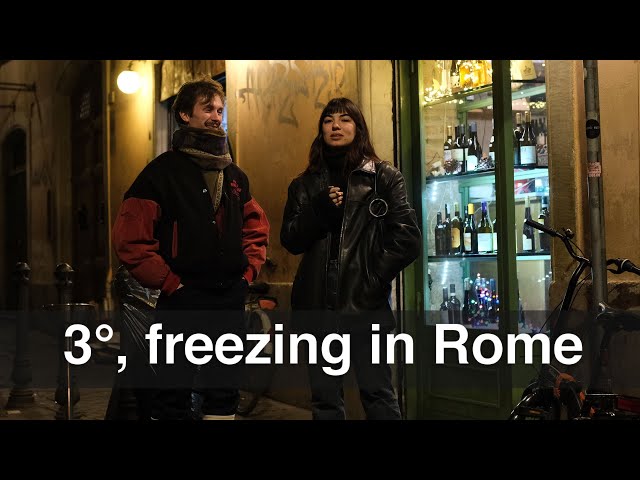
pixel 624 265
pixel 543 228
pixel 565 237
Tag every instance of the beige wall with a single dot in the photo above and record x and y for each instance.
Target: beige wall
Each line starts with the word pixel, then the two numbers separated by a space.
pixel 45 116
pixel 131 132
pixel 274 108
pixel 619 100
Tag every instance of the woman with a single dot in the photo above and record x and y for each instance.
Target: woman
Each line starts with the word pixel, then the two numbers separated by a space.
pixel 348 214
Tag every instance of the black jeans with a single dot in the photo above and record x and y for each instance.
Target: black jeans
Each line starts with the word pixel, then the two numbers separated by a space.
pixel 185 390
pixel 377 394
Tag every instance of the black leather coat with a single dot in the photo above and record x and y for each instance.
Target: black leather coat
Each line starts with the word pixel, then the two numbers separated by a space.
pixel 372 250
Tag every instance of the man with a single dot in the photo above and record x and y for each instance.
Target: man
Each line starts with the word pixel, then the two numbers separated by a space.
pixel 189 227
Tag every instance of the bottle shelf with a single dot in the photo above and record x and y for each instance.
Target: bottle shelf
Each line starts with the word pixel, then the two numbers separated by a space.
pixel 525 88
pixel 520 172
pixel 484 257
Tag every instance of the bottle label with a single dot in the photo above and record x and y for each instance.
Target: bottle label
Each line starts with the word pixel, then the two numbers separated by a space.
pixel 455 238
pixel 495 242
pixel 446 155
pixel 457 154
pixel 467 242
pixel 528 155
pixel 527 244
pixel 472 163
pixel 485 242
pixel 543 157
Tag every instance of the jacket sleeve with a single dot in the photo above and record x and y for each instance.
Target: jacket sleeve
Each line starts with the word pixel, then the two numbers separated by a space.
pixel 402 237
pixel 255 238
pixel 302 224
pixel 134 242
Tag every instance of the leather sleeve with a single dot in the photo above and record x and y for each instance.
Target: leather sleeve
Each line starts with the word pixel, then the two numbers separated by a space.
pixel 301 223
pixel 402 237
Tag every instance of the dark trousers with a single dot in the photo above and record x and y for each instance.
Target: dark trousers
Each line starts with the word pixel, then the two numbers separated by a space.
pixel 185 390
pixel 375 385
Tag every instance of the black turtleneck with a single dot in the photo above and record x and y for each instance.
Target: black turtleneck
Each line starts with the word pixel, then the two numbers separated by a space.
pixel 335 160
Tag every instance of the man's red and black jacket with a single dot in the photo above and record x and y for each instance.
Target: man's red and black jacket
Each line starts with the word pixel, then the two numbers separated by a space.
pixel 166 232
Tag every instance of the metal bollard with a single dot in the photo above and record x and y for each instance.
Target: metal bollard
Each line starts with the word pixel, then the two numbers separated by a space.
pixel 67 392
pixel 21 394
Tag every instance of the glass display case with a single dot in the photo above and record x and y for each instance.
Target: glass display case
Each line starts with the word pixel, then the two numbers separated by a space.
pixel 462 236
pixel 473 144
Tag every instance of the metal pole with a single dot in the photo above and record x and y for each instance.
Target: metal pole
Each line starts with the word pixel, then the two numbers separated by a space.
pixel 67 393
pixel 21 394
pixel 595 190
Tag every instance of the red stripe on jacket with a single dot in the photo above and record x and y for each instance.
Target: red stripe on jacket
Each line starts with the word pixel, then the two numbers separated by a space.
pixel 136 247
pixel 255 238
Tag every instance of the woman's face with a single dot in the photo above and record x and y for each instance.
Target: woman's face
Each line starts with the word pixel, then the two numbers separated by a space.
pixel 338 130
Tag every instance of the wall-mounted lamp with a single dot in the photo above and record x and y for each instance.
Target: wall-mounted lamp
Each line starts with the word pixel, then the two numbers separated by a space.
pixel 128 80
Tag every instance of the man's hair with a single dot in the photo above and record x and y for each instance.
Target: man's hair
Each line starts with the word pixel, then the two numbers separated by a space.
pixel 361 146
pixel 191 92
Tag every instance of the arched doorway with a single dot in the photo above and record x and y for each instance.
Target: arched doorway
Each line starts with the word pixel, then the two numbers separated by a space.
pixel 14 201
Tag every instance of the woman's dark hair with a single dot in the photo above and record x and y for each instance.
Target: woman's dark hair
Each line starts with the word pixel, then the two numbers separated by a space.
pixel 361 146
pixel 191 92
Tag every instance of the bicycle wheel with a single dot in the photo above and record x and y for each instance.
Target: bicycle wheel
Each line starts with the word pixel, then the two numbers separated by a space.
pixel 257 376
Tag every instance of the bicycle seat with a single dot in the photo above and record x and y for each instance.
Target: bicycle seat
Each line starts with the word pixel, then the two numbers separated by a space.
pixel 616 319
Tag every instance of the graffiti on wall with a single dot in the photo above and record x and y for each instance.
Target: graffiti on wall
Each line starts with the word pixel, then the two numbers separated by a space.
pixel 276 87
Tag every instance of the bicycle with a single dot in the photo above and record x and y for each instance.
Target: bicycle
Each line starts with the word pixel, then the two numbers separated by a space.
pixel 555 395
pixel 258 377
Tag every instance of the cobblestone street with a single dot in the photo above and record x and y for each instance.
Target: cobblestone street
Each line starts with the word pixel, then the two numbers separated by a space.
pixel 94 380
pixel 93 406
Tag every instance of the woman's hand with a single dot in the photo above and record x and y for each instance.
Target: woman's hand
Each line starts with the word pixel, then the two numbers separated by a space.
pixel 336 195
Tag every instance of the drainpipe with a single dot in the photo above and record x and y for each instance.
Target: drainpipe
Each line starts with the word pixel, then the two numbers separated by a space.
pixel 106 119
pixel 595 190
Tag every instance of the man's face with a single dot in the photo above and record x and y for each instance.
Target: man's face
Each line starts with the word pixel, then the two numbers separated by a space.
pixel 205 114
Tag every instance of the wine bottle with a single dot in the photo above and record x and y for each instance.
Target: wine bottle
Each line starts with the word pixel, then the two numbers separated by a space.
pixel 441 240
pixel 474 150
pixel 455 314
pixel 528 142
pixel 454 76
pixel 543 217
pixel 444 306
pixel 470 231
pixel 485 232
pixel 517 135
pixel 447 230
pixel 492 153
pixel 541 144
pixel 470 305
pixel 446 149
pixel 528 236
pixel 494 315
pixel 457 152
pixel 456 231
pixel 495 235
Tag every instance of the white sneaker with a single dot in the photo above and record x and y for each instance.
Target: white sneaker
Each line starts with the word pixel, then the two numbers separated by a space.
pixel 219 417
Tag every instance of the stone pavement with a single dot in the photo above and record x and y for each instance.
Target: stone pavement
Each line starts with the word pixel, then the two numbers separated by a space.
pixel 94 379
pixel 94 401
